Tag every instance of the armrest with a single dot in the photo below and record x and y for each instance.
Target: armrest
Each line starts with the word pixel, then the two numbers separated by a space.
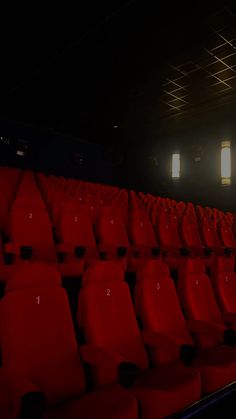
pixel 203 327
pixel 171 249
pixel 104 358
pixel 140 250
pixel 107 250
pixel 25 252
pixel 158 340
pixel 185 352
pixel 22 397
pixel 98 356
pixel 220 251
pixel 229 317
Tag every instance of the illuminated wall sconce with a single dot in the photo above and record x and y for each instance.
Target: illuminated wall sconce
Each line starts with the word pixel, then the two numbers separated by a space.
pixel 176 166
pixel 225 163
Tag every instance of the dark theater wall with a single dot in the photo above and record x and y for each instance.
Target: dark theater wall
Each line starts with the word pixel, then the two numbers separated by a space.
pixel 142 167
pixel 54 153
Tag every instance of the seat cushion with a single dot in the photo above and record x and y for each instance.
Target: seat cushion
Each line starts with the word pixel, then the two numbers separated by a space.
pixel 112 402
pixel 217 367
pixel 167 389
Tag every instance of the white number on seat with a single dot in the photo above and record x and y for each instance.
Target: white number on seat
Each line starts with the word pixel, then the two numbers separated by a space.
pixel 38 299
pixel 108 291
pixel 158 286
pixel 76 219
pixel 30 215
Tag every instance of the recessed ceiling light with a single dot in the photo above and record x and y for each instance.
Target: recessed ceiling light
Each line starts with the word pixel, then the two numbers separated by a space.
pixel 115 126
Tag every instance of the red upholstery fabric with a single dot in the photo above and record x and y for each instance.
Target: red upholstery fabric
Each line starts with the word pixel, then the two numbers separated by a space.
pixel 141 232
pixel 209 233
pixel 224 264
pixel 224 284
pixel 199 303
pixel 103 271
pixel 159 311
pixel 158 307
pixel 29 275
pixel 166 389
pixel 190 232
pixel 168 230
pixel 75 229
pixel 108 323
pixel 29 202
pixel 110 229
pixel 37 321
pixel 33 228
pixel 13 387
pixel 106 403
pixel 106 315
pixel 226 234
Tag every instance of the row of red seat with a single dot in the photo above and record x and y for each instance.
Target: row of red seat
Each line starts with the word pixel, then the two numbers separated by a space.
pixel 106 224
pixel 187 356
pixel 35 318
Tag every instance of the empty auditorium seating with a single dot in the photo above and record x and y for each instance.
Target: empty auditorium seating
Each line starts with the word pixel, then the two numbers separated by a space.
pixel 107 321
pixel 159 311
pixel 44 376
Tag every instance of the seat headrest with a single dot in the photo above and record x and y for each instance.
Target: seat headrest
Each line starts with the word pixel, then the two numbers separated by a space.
pixel 225 264
pixel 193 266
pixel 138 213
pixel 32 275
pixel 152 268
pixel 103 271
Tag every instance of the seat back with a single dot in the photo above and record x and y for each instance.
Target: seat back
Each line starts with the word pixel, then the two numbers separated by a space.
pixel 224 284
pixel 33 228
pixel 168 229
pixel 158 307
pixel 110 229
pixel 198 300
pixel 107 318
pixel 225 233
pixel 210 236
pixel 190 232
pixel 37 336
pixel 75 228
pixel 141 232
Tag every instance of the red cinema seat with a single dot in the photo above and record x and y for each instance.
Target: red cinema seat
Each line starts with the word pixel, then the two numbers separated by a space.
pixel 142 237
pixel 77 242
pixel 30 236
pixel 211 238
pixel 107 320
pixel 42 374
pixel 174 253
pixel 224 284
pixel 158 308
pixel 225 233
pixel 192 240
pixel 113 243
pixel 204 317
